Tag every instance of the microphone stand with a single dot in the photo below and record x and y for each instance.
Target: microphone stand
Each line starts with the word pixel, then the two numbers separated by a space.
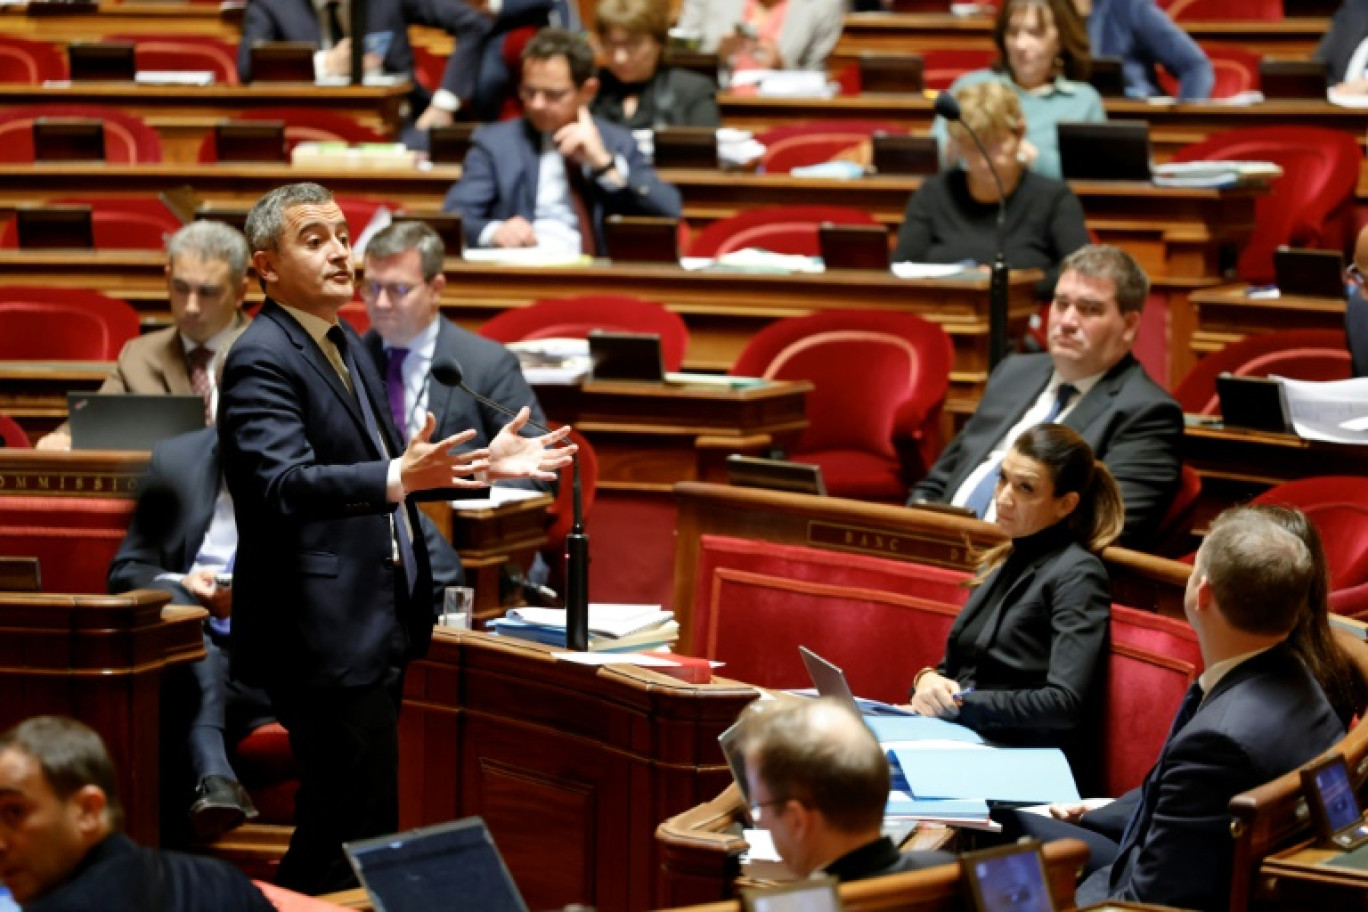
pixel 356 21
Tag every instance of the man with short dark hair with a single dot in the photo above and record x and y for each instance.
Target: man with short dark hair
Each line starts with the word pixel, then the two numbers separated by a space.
pixel 550 179
pixel 332 584
pixel 819 782
pixel 60 845
pixel 1088 381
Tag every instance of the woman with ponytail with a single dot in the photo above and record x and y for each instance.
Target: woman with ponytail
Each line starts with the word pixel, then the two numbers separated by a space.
pixel 1024 663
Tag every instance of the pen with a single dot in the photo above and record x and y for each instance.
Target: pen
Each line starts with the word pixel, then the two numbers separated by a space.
pixel 962 694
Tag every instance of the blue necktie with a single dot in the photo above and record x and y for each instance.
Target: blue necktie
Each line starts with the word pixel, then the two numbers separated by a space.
pixel 982 495
pixel 398 524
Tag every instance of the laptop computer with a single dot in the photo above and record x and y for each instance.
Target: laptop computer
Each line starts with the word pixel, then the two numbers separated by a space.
pixel 1310 273
pixel 626 356
pixel 449 865
pixel 854 246
pixel 1294 79
pixel 830 681
pixel 1255 403
pixel 1118 150
pixel 1008 879
pixel 130 421
pixel 774 475
pixel 1334 808
pixel 811 894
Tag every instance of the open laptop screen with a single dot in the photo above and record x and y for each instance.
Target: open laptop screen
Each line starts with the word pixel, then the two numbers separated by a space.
pixel 1008 879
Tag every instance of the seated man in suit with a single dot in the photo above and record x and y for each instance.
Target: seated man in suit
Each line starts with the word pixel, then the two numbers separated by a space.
pixel 818 781
pixel 206 281
pixel 1255 713
pixel 1356 308
pixel 550 179
pixel 1090 382
pixel 403 295
pixel 1344 48
pixel 324 24
pixel 60 842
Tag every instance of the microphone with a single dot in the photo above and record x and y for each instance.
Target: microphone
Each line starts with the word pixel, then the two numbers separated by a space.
pixel 948 107
pixel 448 372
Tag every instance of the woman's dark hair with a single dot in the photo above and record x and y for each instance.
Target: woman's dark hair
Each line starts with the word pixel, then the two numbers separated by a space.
pixel 1311 638
pixel 1074 54
pixel 1100 515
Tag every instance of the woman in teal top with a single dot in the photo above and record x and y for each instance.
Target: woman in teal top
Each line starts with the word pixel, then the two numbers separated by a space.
pixel 1043 56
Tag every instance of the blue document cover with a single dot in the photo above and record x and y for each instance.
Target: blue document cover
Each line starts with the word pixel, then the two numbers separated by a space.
pixel 1015 775
pixel 903 806
pixel 919 728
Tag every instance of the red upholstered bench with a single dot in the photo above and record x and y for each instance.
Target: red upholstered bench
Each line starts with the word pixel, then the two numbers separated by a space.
pixel 74 538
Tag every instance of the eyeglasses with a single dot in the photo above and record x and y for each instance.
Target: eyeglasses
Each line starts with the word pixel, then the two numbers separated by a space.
pixel 1352 273
pixel 755 809
pixel 633 45
pixel 397 291
pixel 551 96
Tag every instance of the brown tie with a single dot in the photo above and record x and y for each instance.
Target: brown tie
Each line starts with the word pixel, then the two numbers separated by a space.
pixel 579 199
pixel 199 358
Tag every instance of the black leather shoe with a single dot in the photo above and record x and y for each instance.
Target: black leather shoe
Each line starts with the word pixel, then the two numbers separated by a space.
pixel 220 805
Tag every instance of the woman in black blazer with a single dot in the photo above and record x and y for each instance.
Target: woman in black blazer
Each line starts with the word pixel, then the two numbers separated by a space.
pixel 1024 664
pixel 636 89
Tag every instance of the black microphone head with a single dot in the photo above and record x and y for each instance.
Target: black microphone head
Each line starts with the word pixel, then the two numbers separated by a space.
pixel 947 106
pixel 447 371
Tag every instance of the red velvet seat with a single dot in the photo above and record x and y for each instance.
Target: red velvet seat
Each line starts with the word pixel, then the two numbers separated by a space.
pixel 266 766
pixel 30 62
pixel 74 538
pixel 1309 206
pixel 119 223
pixel 128 140
pixel 184 52
pixel 301 125
pixel 1302 354
pixel 355 314
pixel 1224 10
pixel 812 143
pixel 1235 69
pixel 11 434
pixel 575 317
pixel 63 324
pixel 779 229
pixel 1338 505
pixel 879 379
pixel 942 67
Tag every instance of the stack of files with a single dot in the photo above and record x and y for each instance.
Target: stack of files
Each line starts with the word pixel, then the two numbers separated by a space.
pixel 1003 775
pixel 1215 174
pixel 761 860
pixel 612 628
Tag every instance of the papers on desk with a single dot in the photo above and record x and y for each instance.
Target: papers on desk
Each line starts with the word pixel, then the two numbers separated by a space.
pixel 174 77
pixel 525 256
pixel 1347 99
pixel 1215 174
pixel 892 730
pixel 928 270
pixel 498 496
pixel 1006 774
pixel 832 170
pixel 761 860
pixel 553 362
pixel 615 658
pixel 786 83
pixel 1335 411
pixel 737 147
pixel 752 259
pixel 612 628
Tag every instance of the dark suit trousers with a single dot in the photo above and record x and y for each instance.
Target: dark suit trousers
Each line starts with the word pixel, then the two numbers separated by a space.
pixel 1017 824
pixel 346 742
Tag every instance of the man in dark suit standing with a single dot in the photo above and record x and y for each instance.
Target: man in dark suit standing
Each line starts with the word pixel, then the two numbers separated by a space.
pixel 1254 714
pixel 332 586
pixel 818 781
pixel 1090 382
pixel 550 179
pixel 403 291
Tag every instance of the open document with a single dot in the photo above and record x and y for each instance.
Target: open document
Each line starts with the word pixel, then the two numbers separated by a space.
pixel 1335 411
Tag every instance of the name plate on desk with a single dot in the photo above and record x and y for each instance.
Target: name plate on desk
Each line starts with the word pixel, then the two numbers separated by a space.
pixel 926 549
pixel 68 483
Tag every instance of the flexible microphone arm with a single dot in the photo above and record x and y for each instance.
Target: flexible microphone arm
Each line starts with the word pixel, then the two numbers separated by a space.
pixel 448 372
pixel 948 107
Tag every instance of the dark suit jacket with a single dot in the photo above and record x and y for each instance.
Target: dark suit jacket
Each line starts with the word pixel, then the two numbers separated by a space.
pixel 118 876
pixel 489 369
pixel 295 20
pixel 1131 423
pixel 673 97
pixel 1347 30
pixel 501 170
pixel 1266 717
pixel 314 591
pixel 188 465
pixel 1034 661
pixel 882 857
pixel 1356 331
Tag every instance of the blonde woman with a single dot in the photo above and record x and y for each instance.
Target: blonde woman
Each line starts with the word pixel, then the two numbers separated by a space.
pixel 636 89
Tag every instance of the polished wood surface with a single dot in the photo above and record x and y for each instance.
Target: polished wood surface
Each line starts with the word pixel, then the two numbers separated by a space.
pixel 114 18
pixel 571 767
pixel 1227 314
pixel 100 659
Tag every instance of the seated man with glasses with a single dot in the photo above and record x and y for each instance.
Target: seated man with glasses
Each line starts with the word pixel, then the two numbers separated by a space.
pixel 550 179
pixel 818 782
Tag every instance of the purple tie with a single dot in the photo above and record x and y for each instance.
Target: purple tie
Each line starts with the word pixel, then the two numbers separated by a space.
pixel 394 388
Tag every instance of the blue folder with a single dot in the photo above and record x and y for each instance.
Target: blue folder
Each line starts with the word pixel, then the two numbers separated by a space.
pixel 1009 775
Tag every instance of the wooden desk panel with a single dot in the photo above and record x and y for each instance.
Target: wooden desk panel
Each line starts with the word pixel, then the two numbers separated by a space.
pixel 1228 314
pixel 113 18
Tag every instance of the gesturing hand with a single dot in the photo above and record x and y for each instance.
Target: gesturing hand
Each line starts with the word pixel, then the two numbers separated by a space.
pixel 581 143
pixel 426 465
pixel 513 456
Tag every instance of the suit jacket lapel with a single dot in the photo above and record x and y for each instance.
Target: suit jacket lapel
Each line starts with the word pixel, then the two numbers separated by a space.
pixel 530 150
pixel 990 627
pixel 313 355
pixel 171 363
pixel 1098 400
pixel 1030 389
pixel 368 383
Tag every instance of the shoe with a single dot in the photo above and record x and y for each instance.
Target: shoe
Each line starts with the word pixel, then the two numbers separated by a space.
pixel 220 805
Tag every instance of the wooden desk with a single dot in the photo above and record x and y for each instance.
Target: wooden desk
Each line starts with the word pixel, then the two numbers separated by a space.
pixel 571 767
pixel 113 18
pixel 100 659
pixel 184 115
pixel 1227 314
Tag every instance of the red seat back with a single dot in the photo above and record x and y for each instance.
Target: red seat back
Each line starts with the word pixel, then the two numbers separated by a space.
pixel 1309 206
pixel 940 68
pixel 1338 505
pixel 127 139
pixel 301 125
pixel 63 324
pixel 30 62
pixel 575 317
pixel 119 222
pixel 1223 10
pixel 781 229
pixel 1175 527
pixel 1302 354
pixel 812 143
pixel 184 52
pixel 1235 69
pixel 74 538
pixel 12 434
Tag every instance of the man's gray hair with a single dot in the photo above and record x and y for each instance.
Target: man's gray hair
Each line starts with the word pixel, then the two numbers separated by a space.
pixel 267 219
pixel 1260 573
pixel 1102 261
pixel 210 240
pixel 398 237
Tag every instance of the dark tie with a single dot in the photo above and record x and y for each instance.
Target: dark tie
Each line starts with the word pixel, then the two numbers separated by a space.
pixel 579 201
pixel 333 21
pixel 982 495
pixel 394 388
pixel 1192 701
pixel 199 358
pixel 398 523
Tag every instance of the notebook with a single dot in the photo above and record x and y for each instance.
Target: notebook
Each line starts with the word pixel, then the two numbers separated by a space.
pixel 130 421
